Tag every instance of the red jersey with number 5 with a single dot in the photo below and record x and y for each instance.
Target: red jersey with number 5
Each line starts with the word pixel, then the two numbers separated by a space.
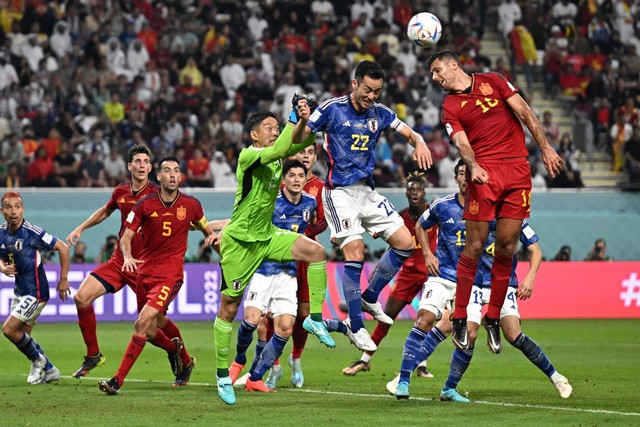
pixel 415 264
pixel 493 129
pixel 165 229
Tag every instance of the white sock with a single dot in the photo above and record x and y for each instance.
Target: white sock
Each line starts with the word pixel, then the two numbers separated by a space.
pixel 423 363
pixel 555 377
pixel 366 358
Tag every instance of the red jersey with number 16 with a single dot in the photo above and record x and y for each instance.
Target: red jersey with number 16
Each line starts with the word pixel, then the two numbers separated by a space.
pixel 493 129
pixel 165 229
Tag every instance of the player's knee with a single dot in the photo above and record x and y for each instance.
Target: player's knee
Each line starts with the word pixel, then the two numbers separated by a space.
pixel 425 320
pixel 10 333
pixel 303 311
pixel 318 253
pixel 473 250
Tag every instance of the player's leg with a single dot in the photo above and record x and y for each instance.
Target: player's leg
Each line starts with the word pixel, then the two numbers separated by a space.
pixel 299 336
pixel 172 331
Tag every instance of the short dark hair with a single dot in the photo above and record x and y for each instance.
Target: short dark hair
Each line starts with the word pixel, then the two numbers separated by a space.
pixel 460 163
pixel 138 149
pixel 442 55
pixel 416 177
pixel 256 118
pixel 171 158
pixel 370 69
pixel 293 163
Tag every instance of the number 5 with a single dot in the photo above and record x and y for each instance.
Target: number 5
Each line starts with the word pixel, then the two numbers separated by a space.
pixel 166 228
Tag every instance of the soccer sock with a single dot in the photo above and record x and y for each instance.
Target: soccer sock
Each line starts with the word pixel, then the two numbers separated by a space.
pixel 412 353
pixel 163 342
pixel 534 353
pixel 352 293
pixel 317 277
pixel 27 346
pixel 260 345
pixel 48 365
pixel 459 363
pixel 335 326
pixel 299 339
pixel 500 275
pixel 135 347
pixel 433 338
pixel 171 330
pixel 467 268
pixel 366 357
pixel 388 266
pixel 381 331
pixel 271 352
pixel 245 336
pixel 222 341
pixel 88 326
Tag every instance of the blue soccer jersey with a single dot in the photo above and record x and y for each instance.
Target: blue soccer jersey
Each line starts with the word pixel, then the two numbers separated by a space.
pixel 446 213
pixel 289 216
pixel 483 278
pixel 350 138
pixel 22 248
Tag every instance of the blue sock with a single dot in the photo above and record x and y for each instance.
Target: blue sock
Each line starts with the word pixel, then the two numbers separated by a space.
pixel 412 353
pixel 433 338
pixel 534 353
pixel 245 336
pixel 27 346
pixel 48 365
pixel 271 352
pixel 352 293
pixel 260 345
pixel 388 266
pixel 459 363
pixel 335 326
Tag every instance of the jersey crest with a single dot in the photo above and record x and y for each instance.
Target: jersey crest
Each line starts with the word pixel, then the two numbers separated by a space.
pixel 181 213
pixel 306 215
pixel 346 223
pixel 474 207
pixel 486 89
pixel 372 124
pixel 18 245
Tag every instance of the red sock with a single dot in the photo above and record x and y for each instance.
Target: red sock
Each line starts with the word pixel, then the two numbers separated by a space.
pixel 87 323
pixel 299 339
pixel 171 330
pixel 162 341
pixel 381 331
pixel 135 347
pixel 467 269
pixel 500 275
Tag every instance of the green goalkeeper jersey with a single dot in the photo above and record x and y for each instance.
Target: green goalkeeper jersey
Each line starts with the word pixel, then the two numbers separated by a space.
pixel 259 176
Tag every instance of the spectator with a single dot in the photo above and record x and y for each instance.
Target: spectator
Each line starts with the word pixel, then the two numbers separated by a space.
pixel 564 13
pixel 12 151
pixel 620 134
pixel 79 254
pixel 204 255
pixel 198 171
pixel 509 13
pixel 65 166
pixel 598 252
pixel 92 171
pixel 40 172
pixel 12 179
pixel 222 175
pixel 632 156
pixel 551 129
pixel 115 169
pixel 137 57
pixel 564 254
pixel 107 248
pixel 570 176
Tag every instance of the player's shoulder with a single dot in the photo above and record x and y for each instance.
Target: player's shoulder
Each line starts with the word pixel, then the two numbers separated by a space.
pixel 32 228
pixel 308 198
pixel 382 109
pixel 335 102
pixel 404 212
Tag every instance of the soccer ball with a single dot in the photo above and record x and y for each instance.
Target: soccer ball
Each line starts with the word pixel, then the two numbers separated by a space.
pixel 424 29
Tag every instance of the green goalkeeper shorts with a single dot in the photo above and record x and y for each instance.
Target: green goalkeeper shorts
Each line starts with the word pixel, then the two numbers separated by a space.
pixel 241 259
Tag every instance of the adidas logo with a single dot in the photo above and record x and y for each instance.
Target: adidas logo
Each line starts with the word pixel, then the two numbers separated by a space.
pixel 154 215
pixel 450 221
pixel 122 200
pixel 2 247
pixel 347 123
pixel 283 216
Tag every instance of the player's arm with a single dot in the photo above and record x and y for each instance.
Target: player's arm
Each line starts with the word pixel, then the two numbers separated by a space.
pixel 63 256
pixel 461 141
pixel 526 287
pixel 552 161
pixel 7 269
pixel 422 236
pixel 130 264
pixel 96 218
pixel 211 237
pixel 422 154
pixel 291 134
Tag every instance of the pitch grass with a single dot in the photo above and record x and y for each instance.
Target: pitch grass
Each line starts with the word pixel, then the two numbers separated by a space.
pixel 600 358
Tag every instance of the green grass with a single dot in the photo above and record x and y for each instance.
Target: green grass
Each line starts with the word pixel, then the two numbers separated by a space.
pixel 600 358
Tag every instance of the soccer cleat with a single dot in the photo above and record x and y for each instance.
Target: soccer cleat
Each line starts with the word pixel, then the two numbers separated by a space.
pixel 423 372
pixel 318 329
pixel 110 387
pixel 275 373
pixel 357 366
pixel 225 390
pixel 90 362
pixel 375 309
pixel 392 386
pixel 258 385
pixel 493 334
pixel 459 333
pixel 563 387
pixel 240 382
pixel 452 395
pixel 36 374
pixel 51 375
pixel 174 357
pixel 297 378
pixel 183 379
pixel 402 392
pixel 361 339
pixel 234 371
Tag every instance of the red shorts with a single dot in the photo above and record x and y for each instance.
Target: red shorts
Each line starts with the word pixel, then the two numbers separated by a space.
pixel 407 286
pixel 303 282
pixel 112 277
pixel 506 195
pixel 158 292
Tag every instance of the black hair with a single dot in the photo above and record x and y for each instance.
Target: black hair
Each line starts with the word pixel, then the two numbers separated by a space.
pixel 138 149
pixel 293 163
pixel 256 118
pixel 458 165
pixel 370 69
pixel 171 158
pixel 416 177
pixel 443 55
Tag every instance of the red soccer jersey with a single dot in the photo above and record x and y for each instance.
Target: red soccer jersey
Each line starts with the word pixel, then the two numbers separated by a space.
pixel 415 263
pixel 314 187
pixel 124 198
pixel 165 229
pixel 492 127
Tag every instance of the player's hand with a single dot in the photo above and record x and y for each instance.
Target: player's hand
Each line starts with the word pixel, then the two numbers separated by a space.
pixel 422 156
pixel 9 270
pixel 552 161
pixel 213 240
pixel 304 112
pixel 433 266
pixel 63 289
pixel 479 175
pixel 130 265
pixel 73 237
pixel 525 290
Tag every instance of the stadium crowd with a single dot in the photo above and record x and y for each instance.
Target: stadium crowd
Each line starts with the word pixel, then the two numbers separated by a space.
pixel 83 81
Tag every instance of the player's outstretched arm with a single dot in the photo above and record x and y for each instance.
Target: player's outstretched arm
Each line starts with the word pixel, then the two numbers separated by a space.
pixel 478 174
pixel 525 290
pixel 63 282
pixel 96 218
pixel 422 236
pixel 422 154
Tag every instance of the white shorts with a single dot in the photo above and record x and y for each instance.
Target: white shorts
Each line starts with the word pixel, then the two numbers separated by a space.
pixel 437 296
pixel 352 210
pixel 275 294
pixel 27 308
pixel 480 297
